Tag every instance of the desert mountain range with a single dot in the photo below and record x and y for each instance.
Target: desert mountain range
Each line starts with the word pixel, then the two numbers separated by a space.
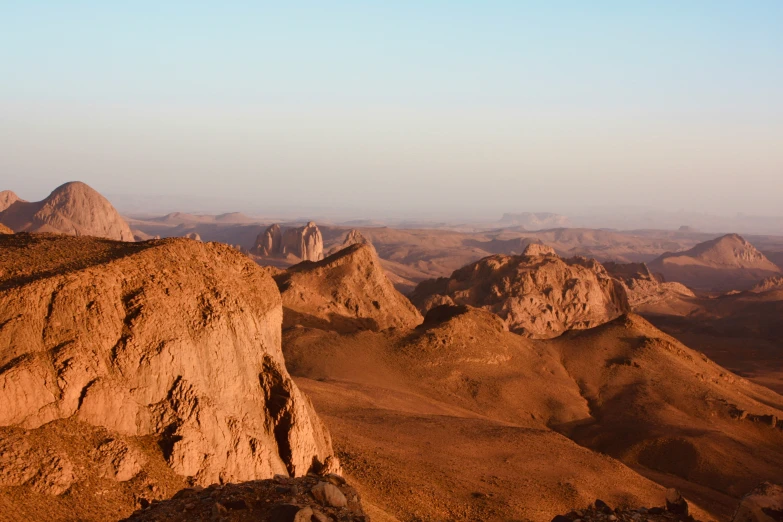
pixel 248 370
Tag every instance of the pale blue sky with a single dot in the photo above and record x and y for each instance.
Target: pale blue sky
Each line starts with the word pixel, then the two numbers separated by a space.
pixel 456 107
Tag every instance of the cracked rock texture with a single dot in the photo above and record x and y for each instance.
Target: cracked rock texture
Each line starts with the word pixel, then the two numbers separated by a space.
pixel 538 294
pixel 173 341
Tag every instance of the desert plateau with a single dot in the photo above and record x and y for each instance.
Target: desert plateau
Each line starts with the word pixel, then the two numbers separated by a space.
pixel 391 261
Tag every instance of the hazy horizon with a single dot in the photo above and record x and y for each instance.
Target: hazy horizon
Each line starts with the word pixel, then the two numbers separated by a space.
pixel 441 109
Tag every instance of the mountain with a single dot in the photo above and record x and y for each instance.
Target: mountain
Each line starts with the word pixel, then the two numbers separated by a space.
pixel 726 263
pixel 130 370
pixel 305 243
pixel 353 237
pixel 642 286
pixel 535 220
pixel 7 198
pixel 73 209
pixel 538 294
pixel 461 405
pixel 347 291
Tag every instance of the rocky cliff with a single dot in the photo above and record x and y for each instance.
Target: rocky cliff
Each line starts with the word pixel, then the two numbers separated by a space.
pixel 170 349
pixel 305 243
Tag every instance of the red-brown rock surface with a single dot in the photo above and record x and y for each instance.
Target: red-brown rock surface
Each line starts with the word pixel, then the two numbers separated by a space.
pixel 170 348
pixel 346 291
pixel 538 295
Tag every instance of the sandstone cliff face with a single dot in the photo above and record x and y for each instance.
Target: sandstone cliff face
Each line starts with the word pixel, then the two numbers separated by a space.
pixel 173 341
pixel 538 295
pixel 346 291
pixel 73 209
pixel 305 242
pixel 269 242
pixel 5 230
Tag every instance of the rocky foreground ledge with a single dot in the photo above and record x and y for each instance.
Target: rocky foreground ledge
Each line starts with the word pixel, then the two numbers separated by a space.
pixel 282 499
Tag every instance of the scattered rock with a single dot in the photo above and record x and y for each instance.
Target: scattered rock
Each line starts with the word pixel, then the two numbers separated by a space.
pixel 763 504
pixel 259 500
pixel 675 503
pixel 329 495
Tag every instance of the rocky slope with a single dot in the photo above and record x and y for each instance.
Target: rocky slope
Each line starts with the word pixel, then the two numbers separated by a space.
pixel 7 198
pixel 74 209
pixel 129 364
pixel 538 294
pixel 308 499
pixel 726 263
pixel 347 291
pixel 305 243
pixel 5 230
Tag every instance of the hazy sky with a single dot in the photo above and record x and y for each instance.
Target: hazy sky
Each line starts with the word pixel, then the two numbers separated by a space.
pixel 449 107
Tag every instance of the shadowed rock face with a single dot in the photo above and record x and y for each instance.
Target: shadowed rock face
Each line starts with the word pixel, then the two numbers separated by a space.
pixel 538 295
pixel 346 291
pixel 74 209
pixel 305 242
pixel 174 341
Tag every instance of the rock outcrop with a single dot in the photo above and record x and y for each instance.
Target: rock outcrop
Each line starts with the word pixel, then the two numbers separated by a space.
pixel 305 243
pixel 7 198
pixel 347 291
pixel 5 230
pixel 269 242
pixel 74 209
pixel 313 498
pixel 538 295
pixel 642 286
pixel 173 346
pixel 763 504
pixel 726 263
pixel 353 237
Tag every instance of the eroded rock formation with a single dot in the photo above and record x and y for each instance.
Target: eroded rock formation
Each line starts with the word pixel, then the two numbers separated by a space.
pixel 346 291
pixel 538 295
pixel 172 342
pixel 305 243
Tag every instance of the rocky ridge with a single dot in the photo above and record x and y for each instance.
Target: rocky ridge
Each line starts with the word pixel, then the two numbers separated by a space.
pixel 305 243
pixel 7 198
pixel 726 263
pixel 539 295
pixel 347 291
